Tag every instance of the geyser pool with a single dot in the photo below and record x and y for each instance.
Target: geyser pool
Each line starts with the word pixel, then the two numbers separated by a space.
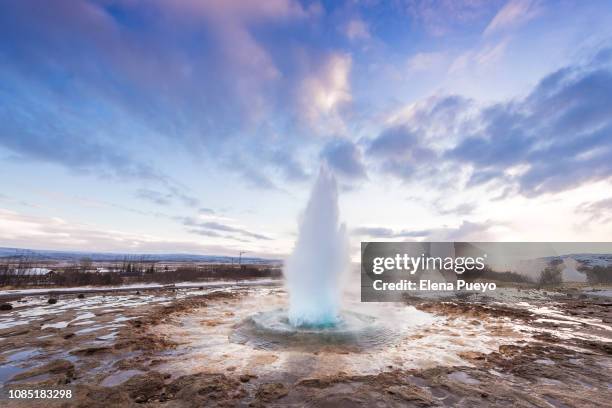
pixel 314 270
pixel 272 330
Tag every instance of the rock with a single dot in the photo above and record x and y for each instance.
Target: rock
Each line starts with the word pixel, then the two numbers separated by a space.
pixel 316 382
pixel 81 296
pixel 199 390
pixel 6 306
pixel 245 378
pixel 52 301
pixel 101 397
pixel 271 391
pixel 412 393
pixel 142 388
pixel 88 351
pixel 344 401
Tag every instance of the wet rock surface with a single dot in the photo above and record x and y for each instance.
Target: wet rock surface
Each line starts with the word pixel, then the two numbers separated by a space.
pixel 557 354
pixel 6 306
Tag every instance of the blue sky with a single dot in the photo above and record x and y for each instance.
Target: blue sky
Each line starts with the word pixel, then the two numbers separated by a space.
pixel 199 126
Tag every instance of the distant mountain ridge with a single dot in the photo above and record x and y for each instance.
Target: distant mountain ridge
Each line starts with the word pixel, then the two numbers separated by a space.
pixel 57 255
pixel 574 265
pixel 586 260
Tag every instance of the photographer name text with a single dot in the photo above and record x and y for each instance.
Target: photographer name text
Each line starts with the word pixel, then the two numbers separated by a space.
pixel 428 285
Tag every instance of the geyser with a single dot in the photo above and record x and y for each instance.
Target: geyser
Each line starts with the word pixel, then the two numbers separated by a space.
pixel 313 277
pixel 314 270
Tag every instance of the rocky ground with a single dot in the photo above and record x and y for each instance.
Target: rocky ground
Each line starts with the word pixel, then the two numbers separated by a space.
pixel 558 354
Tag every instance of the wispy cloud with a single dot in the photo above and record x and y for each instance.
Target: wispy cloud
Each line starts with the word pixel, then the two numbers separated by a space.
pixel 465 231
pixel 426 61
pixel 154 196
pixel 446 16
pixel 597 211
pixel 513 14
pixel 482 57
pixel 19 230
pixel 213 228
pixel 357 29
pixel 382 232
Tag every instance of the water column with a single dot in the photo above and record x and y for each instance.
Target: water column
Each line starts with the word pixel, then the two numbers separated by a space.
pixel 314 270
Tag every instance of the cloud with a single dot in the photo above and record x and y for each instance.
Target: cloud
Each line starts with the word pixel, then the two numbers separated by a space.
pixel 175 194
pixel 231 22
pixel 597 211
pixel 63 141
pixel 482 57
pixel 458 210
pixel 112 85
pixel 357 29
pixel 466 231
pixel 435 119
pixel 556 138
pixel 154 196
pixel 325 91
pixel 443 17
pixel 180 193
pixel 560 133
pixel 25 231
pixel 513 14
pixel 290 167
pixel 400 151
pixel 382 232
pixel 425 61
pixel 345 158
pixel 212 228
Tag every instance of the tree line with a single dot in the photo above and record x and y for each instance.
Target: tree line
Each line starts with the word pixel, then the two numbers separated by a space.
pixel 25 269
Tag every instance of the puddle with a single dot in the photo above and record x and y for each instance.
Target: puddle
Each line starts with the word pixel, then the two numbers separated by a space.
pixel 89 329
pixel 13 323
pixel 16 364
pixel 8 371
pixel 124 319
pixel 87 315
pixel 58 325
pixel 21 355
pixel 84 323
pixel 107 337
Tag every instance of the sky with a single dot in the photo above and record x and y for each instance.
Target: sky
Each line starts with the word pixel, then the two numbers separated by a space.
pixel 192 126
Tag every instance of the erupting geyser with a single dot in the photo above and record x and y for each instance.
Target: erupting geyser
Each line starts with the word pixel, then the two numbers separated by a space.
pixel 313 275
pixel 314 270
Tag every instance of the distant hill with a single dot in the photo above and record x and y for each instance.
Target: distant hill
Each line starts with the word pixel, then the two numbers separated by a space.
pixel 591 260
pixel 51 255
pixel 574 265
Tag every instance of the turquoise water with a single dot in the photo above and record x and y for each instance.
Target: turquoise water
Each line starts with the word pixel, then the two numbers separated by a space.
pixel 274 330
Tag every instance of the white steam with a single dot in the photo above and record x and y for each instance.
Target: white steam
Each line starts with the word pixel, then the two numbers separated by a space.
pixel 314 270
